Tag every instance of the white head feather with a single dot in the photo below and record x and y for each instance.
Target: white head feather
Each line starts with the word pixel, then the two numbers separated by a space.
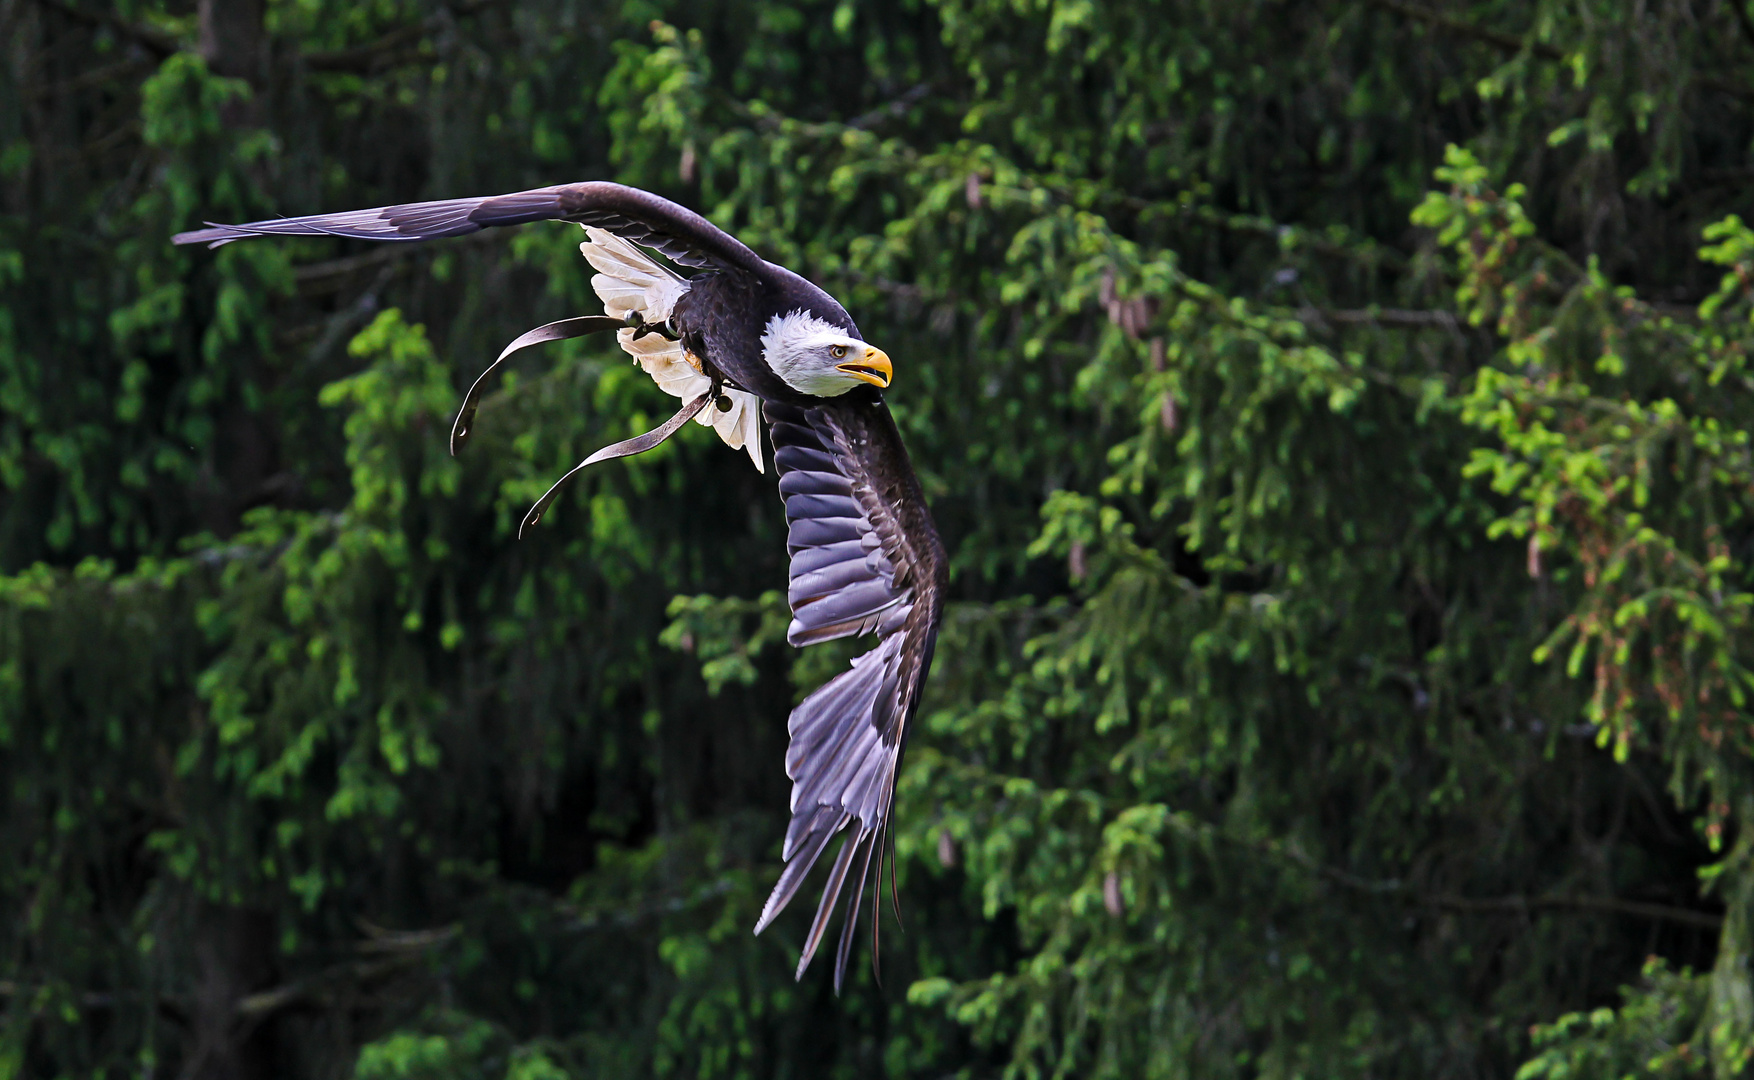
pixel 796 347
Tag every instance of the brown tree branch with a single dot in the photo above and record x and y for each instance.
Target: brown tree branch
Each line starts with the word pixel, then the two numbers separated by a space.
pixel 1368 252
pixel 389 950
pixel 89 79
pixel 1612 905
pixel 892 110
pixel 360 59
pixel 1493 905
pixel 331 275
pixel 396 47
pixel 1390 318
pixel 1501 40
pixel 89 1000
pixel 1740 7
pixel 156 41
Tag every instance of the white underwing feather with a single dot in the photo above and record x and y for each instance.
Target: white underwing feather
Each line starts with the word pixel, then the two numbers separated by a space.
pixel 628 281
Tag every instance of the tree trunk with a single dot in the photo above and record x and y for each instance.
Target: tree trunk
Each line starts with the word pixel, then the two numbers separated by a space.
pixel 232 37
pixel 234 955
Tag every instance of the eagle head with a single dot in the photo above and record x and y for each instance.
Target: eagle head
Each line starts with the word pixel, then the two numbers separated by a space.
pixel 821 359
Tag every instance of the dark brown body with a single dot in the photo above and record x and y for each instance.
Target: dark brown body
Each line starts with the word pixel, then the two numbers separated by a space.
pixel 722 316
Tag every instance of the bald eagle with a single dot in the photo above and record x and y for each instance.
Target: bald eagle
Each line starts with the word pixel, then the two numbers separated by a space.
pixel 741 340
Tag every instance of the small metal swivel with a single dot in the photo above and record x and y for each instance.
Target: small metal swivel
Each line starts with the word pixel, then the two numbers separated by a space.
pixel 641 328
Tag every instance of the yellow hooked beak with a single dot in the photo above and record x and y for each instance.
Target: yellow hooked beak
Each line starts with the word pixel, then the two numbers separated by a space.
pixel 873 367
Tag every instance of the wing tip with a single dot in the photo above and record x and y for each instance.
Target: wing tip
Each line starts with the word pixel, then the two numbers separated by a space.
pixel 213 235
pixel 831 890
pixel 770 911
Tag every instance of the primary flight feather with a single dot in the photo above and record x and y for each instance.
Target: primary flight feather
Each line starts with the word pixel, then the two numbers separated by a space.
pixel 740 340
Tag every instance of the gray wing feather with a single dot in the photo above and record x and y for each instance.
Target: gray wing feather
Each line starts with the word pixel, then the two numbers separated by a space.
pixel 817 532
pixel 865 558
pixel 841 614
pixel 868 840
pixel 837 877
pixel 810 505
pixel 820 829
pixel 820 583
pixel 812 482
pixel 816 735
pixel 406 222
pixel 791 456
pixel 808 559
pixel 651 220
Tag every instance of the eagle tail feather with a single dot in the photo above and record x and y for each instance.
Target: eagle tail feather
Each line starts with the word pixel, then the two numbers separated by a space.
pixel 843 772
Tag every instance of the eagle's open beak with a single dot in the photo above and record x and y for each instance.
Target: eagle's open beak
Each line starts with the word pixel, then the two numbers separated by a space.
pixel 873 367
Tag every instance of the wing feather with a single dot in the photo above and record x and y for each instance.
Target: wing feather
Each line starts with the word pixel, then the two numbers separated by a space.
pixel 865 558
pixel 812 482
pixel 802 457
pixel 812 505
pixel 650 220
pixel 816 558
pixel 824 581
pixel 821 617
pixel 869 841
pixel 820 829
pixel 818 532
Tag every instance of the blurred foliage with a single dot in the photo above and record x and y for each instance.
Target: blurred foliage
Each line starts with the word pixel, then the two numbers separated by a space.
pixel 1338 415
pixel 1649 1035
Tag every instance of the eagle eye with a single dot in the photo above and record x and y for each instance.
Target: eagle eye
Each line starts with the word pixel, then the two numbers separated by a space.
pixel 837 351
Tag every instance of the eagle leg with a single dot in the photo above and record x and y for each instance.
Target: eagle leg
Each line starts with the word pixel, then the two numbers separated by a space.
pixel 639 444
pixel 554 331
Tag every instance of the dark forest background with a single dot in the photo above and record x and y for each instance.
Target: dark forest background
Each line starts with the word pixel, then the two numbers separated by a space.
pixel 1337 412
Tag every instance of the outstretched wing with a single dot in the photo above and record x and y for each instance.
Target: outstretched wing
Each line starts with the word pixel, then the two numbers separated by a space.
pixel 866 558
pixel 646 219
pixel 633 283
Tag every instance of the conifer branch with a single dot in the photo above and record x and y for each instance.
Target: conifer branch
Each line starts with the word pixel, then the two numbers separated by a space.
pixel 1511 43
